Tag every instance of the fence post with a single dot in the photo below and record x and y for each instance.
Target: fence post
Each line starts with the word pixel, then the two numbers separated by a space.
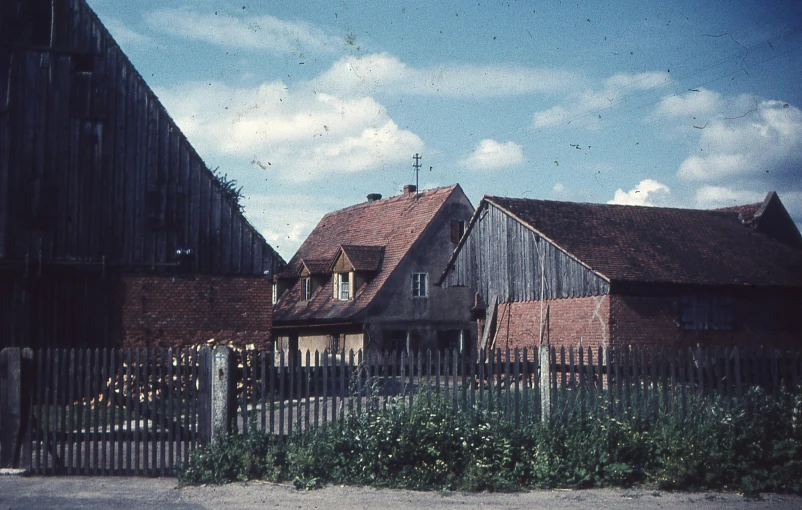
pixel 204 395
pixel 10 404
pixel 224 402
pixel 15 401
pixel 545 383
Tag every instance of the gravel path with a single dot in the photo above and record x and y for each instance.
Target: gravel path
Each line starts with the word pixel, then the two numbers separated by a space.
pixel 131 493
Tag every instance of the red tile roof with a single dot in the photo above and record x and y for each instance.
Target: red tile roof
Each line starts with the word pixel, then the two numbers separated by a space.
pixel 653 244
pixel 392 225
pixel 364 258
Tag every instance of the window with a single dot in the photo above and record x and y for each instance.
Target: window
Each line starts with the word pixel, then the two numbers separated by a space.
pixel 275 292
pixel 344 287
pixel 419 285
pixel 306 289
pixel 335 344
pixel 704 312
pixel 457 229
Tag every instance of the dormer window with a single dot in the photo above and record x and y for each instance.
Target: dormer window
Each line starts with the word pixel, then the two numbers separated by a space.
pixel 344 286
pixel 306 289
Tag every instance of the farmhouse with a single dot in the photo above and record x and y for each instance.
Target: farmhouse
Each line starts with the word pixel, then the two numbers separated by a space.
pixel 112 229
pixel 362 279
pixel 604 275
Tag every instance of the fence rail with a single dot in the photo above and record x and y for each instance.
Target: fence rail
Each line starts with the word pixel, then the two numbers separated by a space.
pixel 138 412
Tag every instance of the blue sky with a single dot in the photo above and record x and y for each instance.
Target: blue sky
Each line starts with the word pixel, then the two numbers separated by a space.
pixel 312 105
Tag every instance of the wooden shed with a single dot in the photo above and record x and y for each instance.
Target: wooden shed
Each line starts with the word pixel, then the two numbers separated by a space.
pixel 112 228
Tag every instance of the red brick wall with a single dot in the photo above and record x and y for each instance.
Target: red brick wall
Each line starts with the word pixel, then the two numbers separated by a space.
pixel 569 321
pixel 160 311
pixel 763 319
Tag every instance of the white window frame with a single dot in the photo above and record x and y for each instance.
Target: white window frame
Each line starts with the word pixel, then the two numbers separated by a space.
pixel 343 286
pixel 306 289
pixel 275 293
pixel 420 285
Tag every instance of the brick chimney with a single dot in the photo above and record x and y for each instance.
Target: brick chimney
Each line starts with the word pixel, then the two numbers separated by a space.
pixel 410 188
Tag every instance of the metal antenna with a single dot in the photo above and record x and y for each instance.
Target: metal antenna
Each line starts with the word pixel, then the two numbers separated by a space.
pixel 417 157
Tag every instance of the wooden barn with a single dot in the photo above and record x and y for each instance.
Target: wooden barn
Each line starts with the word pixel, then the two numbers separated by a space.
pixel 604 275
pixel 112 229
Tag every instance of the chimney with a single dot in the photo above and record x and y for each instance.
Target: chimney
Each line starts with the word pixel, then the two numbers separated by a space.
pixel 374 196
pixel 410 188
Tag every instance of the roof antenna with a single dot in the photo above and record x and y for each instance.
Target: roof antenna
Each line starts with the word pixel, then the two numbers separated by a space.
pixel 417 157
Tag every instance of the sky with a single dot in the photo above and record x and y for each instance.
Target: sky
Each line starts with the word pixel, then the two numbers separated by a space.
pixel 312 105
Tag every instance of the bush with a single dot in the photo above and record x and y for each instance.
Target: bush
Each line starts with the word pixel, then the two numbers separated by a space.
pixel 753 446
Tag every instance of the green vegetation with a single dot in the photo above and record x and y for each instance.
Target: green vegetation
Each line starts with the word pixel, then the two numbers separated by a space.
pixel 751 446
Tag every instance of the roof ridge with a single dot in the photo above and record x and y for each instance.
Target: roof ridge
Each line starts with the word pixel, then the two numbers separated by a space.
pixel 392 199
pixel 723 210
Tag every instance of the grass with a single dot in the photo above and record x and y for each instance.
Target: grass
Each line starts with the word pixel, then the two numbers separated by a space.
pixel 753 445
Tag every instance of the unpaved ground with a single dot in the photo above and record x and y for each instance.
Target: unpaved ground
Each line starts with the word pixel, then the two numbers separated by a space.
pixel 131 493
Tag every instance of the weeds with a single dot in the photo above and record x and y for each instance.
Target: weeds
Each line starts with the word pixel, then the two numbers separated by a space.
pixel 751 446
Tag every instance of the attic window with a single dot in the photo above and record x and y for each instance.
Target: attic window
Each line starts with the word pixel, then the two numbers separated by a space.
pixel 420 285
pixel 275 293
pixel 306 289
pixel 706 313
pixel 457 230
pixel 344 286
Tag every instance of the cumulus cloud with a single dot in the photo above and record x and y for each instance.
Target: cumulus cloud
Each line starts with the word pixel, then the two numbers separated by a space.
pixel 263 33
pixel 382 73
pixel 298 135
pixel 646 192
pixel 747 146
pixel 587 104
pixel 712 197
pixel 490 154
pixel 286 220
pixel 765 140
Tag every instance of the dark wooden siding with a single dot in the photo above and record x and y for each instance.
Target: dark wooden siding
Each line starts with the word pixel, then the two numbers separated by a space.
pixel 502 258
pixel 91 165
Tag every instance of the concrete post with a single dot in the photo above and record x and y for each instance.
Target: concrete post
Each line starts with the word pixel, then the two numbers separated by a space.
pixel 545 382
pixel 224 403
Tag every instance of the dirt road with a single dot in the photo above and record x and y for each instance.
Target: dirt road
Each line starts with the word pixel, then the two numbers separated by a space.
pixel 132 493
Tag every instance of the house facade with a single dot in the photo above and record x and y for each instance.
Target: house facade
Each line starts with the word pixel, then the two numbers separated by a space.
pixel 602 275
pixel 112 229
pixel 363 278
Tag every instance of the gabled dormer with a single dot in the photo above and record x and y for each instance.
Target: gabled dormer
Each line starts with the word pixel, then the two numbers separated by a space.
pixel 313 274
pixel 354 266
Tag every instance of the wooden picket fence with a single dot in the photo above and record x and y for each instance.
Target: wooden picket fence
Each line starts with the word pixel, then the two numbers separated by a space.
pixel 103 411
pixel 139 412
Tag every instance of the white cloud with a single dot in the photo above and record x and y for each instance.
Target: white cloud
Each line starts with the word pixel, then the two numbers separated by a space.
pixel 558 188
pixel 490 154
pixel 552 116
pixel 764 145
pixel 125 36
pixel 699 103
pixel 298 135
pixel 264 33
pixel 286 220
pixel 587 105
pixel 712 197
pixel 382 73
pixel 646 192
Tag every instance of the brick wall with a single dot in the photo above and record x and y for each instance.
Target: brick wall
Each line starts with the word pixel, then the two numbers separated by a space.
pixel 759 319
pixel 162 311
pixel 569 321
